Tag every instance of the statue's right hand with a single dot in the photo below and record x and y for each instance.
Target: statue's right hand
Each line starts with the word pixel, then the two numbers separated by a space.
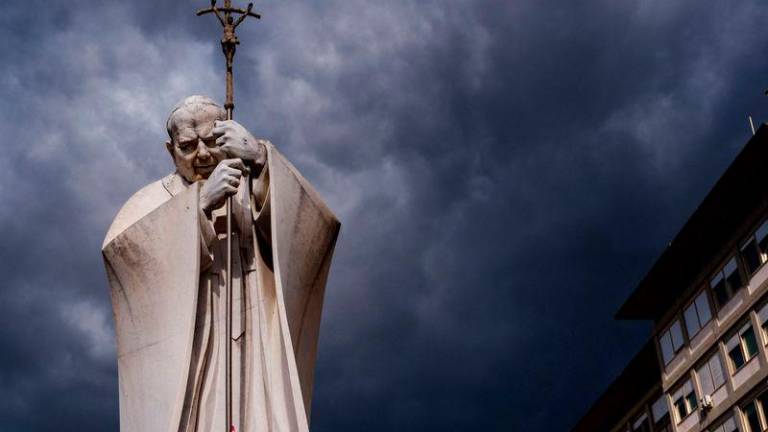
pixel 223 182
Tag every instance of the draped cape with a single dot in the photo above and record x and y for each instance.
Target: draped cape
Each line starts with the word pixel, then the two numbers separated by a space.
pixel 153 263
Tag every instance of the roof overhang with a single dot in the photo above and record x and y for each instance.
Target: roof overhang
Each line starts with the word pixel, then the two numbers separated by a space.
pixel 730 208
pixel 637 380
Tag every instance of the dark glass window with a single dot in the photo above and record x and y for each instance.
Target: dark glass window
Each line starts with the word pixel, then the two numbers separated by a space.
pixel 752 256
pixel 734 281
pixel 763 400
pixel 660 414
pixel 737 357
pixel 750 343
pixel 755 250
pixel 692 402
pixel 641 425
pixel 671 341
pixel 726 282
pixel 721 293
pixel 742 346
pixel 664 423
pixel 685 401
pixel 753 417
pixel 682 410
pixel 697 314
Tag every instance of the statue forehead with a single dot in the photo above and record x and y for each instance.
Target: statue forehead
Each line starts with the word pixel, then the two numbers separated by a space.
pixel 194 119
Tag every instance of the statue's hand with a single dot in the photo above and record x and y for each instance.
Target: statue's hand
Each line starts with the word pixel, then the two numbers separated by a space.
pixel 223 182
pixel 237 142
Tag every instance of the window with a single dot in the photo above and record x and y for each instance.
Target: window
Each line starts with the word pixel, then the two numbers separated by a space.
pixel 762 316
pixel 711 375
pixel 755 250
pixel 641 424
pixel 742 347
pixel 671 341
pixel 754 413
pixel 726 282
pixel 660 414
pixel 752 417
pixel 697 314
pixel 684 400
pixel 729 425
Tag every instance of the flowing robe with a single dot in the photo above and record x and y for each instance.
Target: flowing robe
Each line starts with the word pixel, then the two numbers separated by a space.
pixel 165 262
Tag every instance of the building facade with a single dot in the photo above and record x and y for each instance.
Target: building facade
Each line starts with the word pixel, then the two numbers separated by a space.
pixel 705 368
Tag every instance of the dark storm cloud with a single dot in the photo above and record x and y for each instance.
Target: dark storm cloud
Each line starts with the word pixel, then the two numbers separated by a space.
pixel 504 172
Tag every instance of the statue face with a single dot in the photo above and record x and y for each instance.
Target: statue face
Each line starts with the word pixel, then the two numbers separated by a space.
pixel 193 146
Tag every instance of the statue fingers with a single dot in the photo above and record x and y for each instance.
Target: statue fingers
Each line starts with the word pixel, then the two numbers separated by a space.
pixel 224 124
pixel 233 180
pixel 218 128
pixel 231 173
pixel 221 141
pixel 230 190
pixel 235 163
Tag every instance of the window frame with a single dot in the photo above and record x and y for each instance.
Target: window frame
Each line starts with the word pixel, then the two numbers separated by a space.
pixel 665 417
pixel 708 364
pixel 742 347
pixel 762 255
pixel 744 414
pixel 694 303
pixel 721 425
pixel 762 320
pixel 691 405
pixel 720 273
pixel 641 420
pixel 668 331
pixel 762 415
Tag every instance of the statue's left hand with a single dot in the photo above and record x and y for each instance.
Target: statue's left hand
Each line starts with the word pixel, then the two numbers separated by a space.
pixel 237 142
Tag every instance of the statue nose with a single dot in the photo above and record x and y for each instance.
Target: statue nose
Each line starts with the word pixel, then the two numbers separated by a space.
pixel 202 150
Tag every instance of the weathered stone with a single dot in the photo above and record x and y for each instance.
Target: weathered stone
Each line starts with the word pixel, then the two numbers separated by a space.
pixel 164 255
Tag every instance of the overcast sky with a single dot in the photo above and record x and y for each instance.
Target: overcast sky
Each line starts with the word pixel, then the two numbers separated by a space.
pixel 505 173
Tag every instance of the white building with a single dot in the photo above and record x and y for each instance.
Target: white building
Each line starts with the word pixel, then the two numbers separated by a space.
pixel 705 367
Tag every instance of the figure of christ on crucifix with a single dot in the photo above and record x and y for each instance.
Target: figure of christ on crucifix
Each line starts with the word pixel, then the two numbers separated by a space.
pixel 165 260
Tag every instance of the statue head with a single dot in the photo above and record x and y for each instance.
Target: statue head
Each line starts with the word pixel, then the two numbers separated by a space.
pixel 192 144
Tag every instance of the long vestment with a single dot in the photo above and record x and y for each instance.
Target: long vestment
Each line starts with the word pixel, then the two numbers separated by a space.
pixel 165 265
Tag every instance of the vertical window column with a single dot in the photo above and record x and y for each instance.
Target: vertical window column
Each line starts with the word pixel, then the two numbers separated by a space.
pixel 726 283
pixel 755 250
pixel 762 320
pixel 684 401
pixel 755 413
pixel 697 314
pixel 741 347
pixel 671 341
pixel 729 425
pixel 711 375
pixel 660 414
pixel 641 424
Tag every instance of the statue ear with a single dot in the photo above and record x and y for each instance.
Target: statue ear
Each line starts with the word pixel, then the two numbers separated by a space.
pixel 169 147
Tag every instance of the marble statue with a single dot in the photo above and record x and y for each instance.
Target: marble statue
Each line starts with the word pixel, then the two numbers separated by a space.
pixel 164 256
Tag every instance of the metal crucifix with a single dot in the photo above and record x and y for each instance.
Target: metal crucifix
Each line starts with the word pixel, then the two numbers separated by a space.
pixel 229 43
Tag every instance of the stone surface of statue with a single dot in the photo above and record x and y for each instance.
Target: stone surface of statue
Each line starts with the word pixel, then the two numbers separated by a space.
pixel 164 256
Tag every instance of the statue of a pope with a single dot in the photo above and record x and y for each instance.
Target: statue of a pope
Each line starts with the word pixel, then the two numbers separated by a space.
pixel 165 258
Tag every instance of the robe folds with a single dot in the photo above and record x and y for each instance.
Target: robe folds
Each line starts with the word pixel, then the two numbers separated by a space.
pixel 165 264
